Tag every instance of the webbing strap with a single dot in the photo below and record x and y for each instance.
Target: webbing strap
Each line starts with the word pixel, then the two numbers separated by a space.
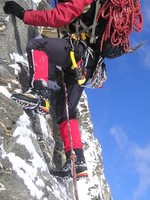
pixel 92 27
pixel 77 27
pixel 92 39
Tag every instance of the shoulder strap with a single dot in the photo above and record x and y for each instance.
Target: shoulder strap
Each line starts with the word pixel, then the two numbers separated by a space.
pixel 92 39
pixel 92 27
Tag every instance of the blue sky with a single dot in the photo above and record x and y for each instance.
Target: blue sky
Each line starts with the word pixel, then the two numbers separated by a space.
pixel 120 112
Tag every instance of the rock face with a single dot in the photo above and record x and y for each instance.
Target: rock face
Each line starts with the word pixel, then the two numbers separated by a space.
pixel 30 144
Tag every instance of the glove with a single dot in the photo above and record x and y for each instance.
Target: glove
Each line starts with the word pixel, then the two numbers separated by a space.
pixel 12 7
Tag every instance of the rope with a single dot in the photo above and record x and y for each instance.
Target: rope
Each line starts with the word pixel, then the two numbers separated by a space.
pixel 123 16
pixel 72 157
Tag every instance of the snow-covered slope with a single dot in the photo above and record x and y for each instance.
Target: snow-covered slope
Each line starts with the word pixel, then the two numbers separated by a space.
pixel 25 169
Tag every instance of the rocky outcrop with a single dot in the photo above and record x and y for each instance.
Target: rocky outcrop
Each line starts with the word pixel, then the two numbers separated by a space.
pixel 30 144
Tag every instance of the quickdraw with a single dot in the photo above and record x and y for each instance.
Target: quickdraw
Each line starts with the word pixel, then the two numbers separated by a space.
pixel 99 75
pixel 80 66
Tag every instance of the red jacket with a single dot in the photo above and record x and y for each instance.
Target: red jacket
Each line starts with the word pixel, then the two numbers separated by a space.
pixel 62 15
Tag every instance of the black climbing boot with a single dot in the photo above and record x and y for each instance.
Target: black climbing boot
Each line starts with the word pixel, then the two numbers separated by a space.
pixel 80 166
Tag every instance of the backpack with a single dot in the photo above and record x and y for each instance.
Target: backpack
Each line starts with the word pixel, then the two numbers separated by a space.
pixel 109 24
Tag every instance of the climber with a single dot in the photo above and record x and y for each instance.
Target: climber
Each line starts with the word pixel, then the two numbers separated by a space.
pixel 93 33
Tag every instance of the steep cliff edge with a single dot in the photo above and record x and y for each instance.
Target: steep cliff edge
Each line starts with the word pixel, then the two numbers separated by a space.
pixel 30 144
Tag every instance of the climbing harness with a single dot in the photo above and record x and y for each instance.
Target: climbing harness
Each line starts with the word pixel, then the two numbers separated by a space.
pixel 80 67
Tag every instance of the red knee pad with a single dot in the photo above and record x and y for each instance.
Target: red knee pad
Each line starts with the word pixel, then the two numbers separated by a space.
pixel 75 134
pixel 40 65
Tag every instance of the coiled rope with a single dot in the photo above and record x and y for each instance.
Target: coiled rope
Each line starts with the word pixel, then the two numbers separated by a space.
pixel 123 17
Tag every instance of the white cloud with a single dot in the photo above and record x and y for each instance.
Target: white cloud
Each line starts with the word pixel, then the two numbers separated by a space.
pixel 142 166
pixel 119 136
pixel 140 160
